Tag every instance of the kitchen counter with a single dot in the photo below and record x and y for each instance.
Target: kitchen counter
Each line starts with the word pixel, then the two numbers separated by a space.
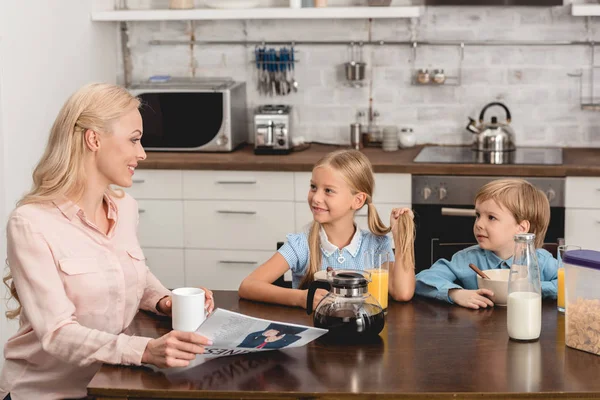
pixel 576 162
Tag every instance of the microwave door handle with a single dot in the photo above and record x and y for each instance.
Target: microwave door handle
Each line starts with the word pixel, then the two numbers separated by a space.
pixel 458 212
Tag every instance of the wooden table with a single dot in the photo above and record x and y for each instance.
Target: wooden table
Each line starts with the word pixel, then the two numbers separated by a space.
pixel 427 350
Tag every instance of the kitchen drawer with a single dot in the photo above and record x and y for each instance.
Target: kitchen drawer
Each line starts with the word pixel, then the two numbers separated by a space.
pixel 238 185
pixel 156 184
pixel 240 225
pixel 167 265
pixel 582 192
pixel 161 223
pixel 582 228
pixel 221 269
pixel 389 188
pixel 304 215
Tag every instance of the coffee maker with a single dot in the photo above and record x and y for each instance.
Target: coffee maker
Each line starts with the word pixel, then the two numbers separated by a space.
pixel 272 129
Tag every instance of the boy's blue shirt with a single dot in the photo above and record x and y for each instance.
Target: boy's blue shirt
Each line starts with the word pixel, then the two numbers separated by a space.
pixel 456 274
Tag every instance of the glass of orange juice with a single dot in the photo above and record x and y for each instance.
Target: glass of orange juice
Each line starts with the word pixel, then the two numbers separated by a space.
pixel 377 264
pixel 560 298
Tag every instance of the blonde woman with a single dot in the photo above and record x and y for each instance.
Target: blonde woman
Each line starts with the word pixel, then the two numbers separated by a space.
pixel 76 268
pixel 342 183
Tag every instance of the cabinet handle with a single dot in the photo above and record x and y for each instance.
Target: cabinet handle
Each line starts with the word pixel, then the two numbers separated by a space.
pixel 138 180
pixel 236 182
pixel 141 211
pixel 458 212
pixel 237 262
pixel 236 212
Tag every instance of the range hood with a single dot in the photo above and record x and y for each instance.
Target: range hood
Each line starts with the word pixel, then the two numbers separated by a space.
pixel 542 3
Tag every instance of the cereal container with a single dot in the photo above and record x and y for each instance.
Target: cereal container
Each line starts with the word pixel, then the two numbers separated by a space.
pixel 582 298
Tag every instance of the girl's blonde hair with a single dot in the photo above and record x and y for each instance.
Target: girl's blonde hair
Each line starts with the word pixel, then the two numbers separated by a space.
pixel 357 171
pixel 60 171
pixel 523 200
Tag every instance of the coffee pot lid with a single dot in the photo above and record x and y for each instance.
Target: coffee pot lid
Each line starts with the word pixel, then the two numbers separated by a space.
pixel 348 278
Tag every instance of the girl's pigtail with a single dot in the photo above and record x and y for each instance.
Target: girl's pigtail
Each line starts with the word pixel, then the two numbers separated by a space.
pixel 314 251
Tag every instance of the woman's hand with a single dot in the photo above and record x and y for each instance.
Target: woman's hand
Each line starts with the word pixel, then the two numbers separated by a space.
pixel 165 305
pixel 396 213
pixel 475 299
pixel 175 349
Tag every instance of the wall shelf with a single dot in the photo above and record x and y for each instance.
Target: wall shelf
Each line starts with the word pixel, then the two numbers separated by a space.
pixel 585 10
pixel 257 13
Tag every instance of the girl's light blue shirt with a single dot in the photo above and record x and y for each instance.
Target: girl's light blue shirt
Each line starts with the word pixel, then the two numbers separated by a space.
pixel 296 252
pixel 444 275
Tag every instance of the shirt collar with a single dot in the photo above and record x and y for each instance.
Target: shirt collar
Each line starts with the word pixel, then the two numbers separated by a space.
pixel 328 248
pixel 70 209
pixel 495 261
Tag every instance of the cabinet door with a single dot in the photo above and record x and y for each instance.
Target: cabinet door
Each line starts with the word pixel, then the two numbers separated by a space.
pixel 167 265
pixel 156 184
pixel 304 215
pixel 582 192
pixel 161 223
pixel 582 228
pixel 389 188
pixel 237 225
pixel 221 269
pixel 238 185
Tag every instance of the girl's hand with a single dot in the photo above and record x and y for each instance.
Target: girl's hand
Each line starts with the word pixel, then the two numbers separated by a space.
pixel 175 349
pixel 165 305
pixel 475 299
pixel 319 294
pixel 396 213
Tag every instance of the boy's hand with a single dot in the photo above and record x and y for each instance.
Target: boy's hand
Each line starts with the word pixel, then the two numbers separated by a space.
pixel 475 299
pixel 396 213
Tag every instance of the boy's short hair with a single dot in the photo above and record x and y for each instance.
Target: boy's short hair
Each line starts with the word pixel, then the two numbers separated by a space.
pixel 523 200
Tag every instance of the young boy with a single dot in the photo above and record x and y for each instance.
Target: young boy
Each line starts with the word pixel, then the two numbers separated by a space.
pixel 504 208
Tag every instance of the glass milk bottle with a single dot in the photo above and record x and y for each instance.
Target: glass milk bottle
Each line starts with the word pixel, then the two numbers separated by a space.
pixel 524 308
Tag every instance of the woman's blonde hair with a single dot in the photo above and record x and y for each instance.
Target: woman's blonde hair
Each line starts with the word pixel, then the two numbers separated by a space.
pixel 60 171
pixel 357 171
pixel 523 200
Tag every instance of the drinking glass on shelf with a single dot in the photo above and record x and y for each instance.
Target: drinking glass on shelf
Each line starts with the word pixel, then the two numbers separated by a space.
pixel 377 263
pixel 560 301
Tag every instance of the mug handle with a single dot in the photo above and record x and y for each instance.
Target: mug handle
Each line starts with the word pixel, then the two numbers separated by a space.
pixel 311 293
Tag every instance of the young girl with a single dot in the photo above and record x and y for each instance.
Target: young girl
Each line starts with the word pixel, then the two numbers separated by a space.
pixel 342 183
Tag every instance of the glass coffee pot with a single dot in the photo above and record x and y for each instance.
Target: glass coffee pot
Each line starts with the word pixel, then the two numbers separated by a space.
pixel 348 311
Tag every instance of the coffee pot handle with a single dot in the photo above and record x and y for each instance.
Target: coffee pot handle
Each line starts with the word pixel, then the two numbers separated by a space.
pixel 508 117
pixel 311 293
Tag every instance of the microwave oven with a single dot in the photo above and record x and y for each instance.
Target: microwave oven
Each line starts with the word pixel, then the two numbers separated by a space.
pixel 195 114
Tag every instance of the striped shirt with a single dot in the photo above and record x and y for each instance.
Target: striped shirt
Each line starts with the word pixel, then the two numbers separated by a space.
pixel 296 252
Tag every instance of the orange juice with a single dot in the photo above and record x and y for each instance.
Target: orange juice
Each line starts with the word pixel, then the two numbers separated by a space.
pixel 560 301
pixel 378 287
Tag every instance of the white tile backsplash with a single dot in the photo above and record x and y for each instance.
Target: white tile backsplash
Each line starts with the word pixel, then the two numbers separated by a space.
pixel 533 82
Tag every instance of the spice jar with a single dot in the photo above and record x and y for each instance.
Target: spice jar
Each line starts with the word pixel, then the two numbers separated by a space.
pixel 439 77
pixel 423 76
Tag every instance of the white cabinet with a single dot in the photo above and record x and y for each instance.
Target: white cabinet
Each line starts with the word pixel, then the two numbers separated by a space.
pixel 238 185
pixel 582 214
pixel 161 223
pixel 167 265
pixel 247 225
pixel 212 228
pixel 221 269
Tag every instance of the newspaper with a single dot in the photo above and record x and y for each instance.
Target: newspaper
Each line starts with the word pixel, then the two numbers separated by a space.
pixel 234 334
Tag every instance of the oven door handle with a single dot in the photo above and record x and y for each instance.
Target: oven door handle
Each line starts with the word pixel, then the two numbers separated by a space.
pixel 458 212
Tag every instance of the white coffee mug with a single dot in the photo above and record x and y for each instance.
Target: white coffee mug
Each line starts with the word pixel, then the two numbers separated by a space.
pixel 188 309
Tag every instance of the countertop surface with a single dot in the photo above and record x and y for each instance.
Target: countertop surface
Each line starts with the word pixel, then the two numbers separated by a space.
pixel 576 162
pixel 427 350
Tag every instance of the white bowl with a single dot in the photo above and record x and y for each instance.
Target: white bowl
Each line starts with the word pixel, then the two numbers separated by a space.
pixel 498 283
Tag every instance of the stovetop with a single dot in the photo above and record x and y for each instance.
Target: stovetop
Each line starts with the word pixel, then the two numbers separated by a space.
pixel 465 155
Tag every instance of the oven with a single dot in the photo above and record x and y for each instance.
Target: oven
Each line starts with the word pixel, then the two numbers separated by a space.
pixel 445 214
